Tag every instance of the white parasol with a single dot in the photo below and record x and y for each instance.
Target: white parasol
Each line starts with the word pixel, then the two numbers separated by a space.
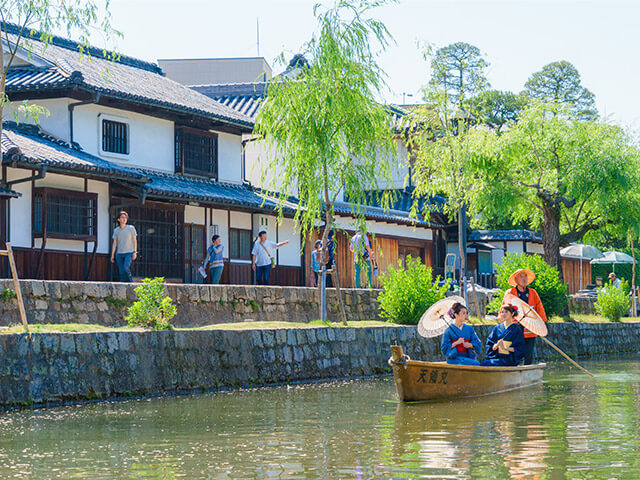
pixel 436 319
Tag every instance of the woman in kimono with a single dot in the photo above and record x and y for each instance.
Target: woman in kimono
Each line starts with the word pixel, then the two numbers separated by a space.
pixel 505 345
pixel 460 344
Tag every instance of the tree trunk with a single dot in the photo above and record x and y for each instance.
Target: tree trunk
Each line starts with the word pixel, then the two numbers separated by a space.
pixel 633 278
pixel 462 250
pixel 335 276
pixel 551 237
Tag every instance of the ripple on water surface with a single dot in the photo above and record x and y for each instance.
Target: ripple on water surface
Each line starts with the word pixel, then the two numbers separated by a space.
pixel 570 427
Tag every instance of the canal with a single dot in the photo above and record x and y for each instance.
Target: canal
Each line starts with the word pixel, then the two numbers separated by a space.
pixel 570 427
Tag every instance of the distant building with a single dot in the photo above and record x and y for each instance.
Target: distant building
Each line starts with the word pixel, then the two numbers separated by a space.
pixel 207 71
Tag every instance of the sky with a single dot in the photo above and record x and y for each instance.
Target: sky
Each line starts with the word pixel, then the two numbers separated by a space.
pixel 601 38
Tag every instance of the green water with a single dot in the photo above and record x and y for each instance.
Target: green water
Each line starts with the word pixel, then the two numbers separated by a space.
pixel 570 427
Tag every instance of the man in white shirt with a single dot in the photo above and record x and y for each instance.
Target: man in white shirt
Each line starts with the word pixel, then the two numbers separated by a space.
pixel 263 257
pixel 124 247
pixel 360 246
pixel 615 281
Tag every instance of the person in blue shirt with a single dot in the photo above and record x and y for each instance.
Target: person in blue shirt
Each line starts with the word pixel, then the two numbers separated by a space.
pixel 214 259
pixel 505 345
pixel 316 257
pixel 460 344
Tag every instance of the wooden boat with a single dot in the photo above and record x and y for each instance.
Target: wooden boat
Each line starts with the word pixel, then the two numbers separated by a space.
pixel 416 380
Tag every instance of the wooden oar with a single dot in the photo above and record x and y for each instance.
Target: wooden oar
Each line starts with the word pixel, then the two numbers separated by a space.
pixel 567 357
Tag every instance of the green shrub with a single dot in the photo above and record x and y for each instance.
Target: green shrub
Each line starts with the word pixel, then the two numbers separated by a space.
pixel 408 292
pixel 614 302
pixel 7 294
pixel 152 309
pixel 552 292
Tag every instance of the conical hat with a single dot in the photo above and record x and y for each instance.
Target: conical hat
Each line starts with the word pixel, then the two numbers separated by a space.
pixel 530 276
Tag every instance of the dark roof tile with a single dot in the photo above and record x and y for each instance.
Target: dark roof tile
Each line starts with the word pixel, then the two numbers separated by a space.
pixel 504 235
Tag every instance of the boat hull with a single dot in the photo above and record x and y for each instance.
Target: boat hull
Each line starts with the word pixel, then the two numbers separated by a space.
pixel 416 380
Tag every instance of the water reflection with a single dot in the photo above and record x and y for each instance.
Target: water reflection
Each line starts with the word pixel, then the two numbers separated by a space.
pixel 570 427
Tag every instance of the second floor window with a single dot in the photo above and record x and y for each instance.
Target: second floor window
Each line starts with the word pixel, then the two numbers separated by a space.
pixel 239 244
pixel 115 137
pixel 61 213
pixel 196 152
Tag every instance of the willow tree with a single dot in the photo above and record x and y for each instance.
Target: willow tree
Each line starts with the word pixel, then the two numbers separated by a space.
pixel 23 21
pixel 327 138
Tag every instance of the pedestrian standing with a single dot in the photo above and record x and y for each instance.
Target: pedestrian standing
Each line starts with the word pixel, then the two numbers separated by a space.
pixel 262 257
pixel 124 247
pixel 331 246
pixel 214 259
pixel 362 256
pixel 316 257
pixel 615 281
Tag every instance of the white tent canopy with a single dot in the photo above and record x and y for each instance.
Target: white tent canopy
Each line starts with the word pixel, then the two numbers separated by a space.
pixel 582 252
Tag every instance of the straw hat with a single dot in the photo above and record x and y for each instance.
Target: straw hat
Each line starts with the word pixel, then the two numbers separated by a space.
pixel 612 275
pixel 530 276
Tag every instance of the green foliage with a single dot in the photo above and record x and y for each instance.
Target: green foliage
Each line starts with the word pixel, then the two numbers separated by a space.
pixel 408 292
pixel 324 129
pixel 553 293
pixel 7 294
pixel 152 309
pixel 560 83
pixel 564 176
pixel 496 108
pixel 614 302
pixel 115 302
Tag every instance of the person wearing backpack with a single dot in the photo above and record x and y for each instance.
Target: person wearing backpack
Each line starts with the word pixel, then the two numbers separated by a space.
pixel 263 257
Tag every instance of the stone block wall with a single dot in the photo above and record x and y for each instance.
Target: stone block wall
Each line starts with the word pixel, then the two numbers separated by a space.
pixel 105 303
pixel 53 368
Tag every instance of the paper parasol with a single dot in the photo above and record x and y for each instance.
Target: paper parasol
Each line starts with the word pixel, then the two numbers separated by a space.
pixel 436 319
pixel 527 316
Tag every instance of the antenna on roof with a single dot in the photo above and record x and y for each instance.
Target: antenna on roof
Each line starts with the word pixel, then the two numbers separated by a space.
pixel 258 34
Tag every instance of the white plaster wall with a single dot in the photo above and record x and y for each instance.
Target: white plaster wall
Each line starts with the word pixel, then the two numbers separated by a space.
pixel 266 223
pixel 229 158
pixel 289 254
pixel 195 215
pixel 151 140
pixel 497 255
pixel 241 220
pixel 256 158
pixel 420 233
pixel 54 122
pixel 21 210
pixel 535 248
pixel 515 247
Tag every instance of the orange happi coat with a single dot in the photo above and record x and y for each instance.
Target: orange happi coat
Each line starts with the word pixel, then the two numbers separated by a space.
pixel 535 302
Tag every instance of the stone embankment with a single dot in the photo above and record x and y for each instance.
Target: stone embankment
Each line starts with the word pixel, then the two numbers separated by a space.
pixel 53 368
pixel 106 304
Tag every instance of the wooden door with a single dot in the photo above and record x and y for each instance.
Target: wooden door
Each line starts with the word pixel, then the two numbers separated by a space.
pixel 194 252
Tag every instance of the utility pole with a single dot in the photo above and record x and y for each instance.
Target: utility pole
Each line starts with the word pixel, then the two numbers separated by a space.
pixel 258 35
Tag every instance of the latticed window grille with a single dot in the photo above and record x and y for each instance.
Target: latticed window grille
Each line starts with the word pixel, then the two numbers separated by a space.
pixel 196 152
pixel 115 137
pixel 64 214
pixel 239 244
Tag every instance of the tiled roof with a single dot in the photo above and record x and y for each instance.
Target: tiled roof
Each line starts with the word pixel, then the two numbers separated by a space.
pixel 379 214
pixel 28 146
pixel 504 235
pixel 404 200
pixel 168 185
pixel 125 78
pixel 243 97
pixel 5 192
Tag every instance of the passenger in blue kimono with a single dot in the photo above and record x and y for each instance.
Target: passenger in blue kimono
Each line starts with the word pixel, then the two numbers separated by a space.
pixel 460 344
pixel 505 345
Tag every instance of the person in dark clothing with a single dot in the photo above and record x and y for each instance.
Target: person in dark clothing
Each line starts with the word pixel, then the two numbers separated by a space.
pixel 331 245
pixel 505 345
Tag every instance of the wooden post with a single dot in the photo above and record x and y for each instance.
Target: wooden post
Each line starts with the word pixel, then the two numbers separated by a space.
pixel 16 284
pixel 475 298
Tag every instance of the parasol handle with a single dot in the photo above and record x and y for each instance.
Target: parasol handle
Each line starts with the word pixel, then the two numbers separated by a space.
pixel 567 356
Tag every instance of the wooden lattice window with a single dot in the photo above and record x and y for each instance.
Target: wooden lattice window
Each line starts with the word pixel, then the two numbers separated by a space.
pixel 66 214
pixel 196 152
pixel 115 137
pixel 239 244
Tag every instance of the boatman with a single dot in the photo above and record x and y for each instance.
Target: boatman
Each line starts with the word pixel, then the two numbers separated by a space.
pixel 520 280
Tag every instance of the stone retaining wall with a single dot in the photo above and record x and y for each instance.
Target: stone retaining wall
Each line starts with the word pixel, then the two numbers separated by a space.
pixel 105 303
pixel 46 368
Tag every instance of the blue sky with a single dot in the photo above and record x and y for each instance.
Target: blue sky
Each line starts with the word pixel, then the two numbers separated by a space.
pixel 601 38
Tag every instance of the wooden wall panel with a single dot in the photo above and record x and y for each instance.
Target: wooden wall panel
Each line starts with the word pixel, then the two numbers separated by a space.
pixel 58 265
pixel 571 273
